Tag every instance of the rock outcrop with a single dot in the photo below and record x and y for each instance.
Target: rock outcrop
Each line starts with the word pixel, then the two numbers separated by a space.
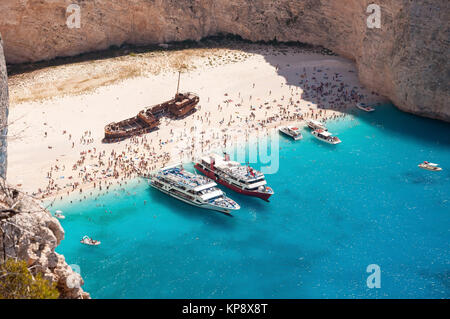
pixel 29 232
pixel 4 104
pixel 405 60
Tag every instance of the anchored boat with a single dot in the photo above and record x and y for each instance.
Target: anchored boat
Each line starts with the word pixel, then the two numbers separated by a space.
pixel 193 189
pixel 242 179
pixel 326 136
pixel 59 215
pixel 292 131
pixel 316 125
pixel 364 107
pixel 430 166
pixel 86 240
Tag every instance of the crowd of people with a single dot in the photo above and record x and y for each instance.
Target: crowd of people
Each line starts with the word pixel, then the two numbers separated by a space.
pixel 316 95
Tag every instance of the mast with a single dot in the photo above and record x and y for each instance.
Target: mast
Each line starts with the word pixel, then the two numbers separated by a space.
pixel 178 85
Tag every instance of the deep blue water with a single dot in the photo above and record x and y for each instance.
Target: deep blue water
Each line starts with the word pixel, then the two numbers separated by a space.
pixel 336 210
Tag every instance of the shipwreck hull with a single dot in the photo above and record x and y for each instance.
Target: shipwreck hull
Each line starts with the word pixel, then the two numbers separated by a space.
pixel 183 105
pixel 128 128
pixel 148 119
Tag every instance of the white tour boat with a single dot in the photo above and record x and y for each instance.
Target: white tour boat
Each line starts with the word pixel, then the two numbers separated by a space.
pixel 430 166
pixel 364 107
pixel 326 136
pixel 292 131
pixel 196 190
pixel 316 125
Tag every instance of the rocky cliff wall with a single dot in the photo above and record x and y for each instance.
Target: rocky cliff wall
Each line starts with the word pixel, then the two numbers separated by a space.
pixel 29 232
pixel 4 104
pixel 405 60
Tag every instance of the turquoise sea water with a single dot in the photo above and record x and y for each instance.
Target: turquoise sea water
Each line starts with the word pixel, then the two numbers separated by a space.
pixel 336 209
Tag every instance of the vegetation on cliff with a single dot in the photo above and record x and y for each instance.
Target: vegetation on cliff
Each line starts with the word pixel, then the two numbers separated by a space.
pixel 17 282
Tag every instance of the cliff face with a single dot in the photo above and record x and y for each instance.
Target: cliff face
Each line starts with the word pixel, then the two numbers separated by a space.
pixel 28 232
pixel 405 60
pixel 4 99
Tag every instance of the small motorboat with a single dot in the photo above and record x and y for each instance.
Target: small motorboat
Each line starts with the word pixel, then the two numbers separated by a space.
pixel 89 241
pixel 364 107
pixel 316 125
pixel 292 131
pixel 326 136
pixel 59 215
pixel 430 166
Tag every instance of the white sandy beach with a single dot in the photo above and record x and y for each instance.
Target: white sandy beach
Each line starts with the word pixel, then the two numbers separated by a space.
pixel 48 137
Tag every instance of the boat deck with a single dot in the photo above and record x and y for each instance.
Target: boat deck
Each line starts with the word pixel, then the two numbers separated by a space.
pixel 183 178
pixel 233 168
pixel 134 124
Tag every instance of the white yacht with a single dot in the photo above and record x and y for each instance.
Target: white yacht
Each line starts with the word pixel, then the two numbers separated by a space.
pixel 316 125
pixel 193 189
pixel 326 136
pixel 292 131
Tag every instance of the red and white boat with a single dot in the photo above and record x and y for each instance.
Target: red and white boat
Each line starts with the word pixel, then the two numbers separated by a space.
pixel 240 178
pixel 430 166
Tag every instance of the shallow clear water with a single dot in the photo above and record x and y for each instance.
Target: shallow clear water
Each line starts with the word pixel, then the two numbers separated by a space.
pixel 336 210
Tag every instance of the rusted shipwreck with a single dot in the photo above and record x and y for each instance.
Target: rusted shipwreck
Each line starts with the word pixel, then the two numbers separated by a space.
pixel 148 119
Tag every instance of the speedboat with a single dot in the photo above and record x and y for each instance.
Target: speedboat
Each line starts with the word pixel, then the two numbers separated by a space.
pixel 326 136
pixel 89 241
pixel 430 166
pixel 60 216
pixel 364 107
pixel 292 131
pixel 316 125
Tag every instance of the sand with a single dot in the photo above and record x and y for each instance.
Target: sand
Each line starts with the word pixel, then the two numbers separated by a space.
pixel 238 95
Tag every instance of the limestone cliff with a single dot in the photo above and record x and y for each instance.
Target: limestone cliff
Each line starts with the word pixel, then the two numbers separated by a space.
pixel 3 112
pixel 406 59
pixel 29 232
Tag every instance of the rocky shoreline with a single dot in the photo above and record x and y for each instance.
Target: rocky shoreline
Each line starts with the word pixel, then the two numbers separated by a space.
pixel 30 233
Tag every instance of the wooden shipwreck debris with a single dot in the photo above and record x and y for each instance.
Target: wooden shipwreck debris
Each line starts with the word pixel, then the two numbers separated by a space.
pixel 148 119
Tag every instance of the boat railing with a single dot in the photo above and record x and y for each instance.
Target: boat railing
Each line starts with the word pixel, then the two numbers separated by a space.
pixel 191 181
